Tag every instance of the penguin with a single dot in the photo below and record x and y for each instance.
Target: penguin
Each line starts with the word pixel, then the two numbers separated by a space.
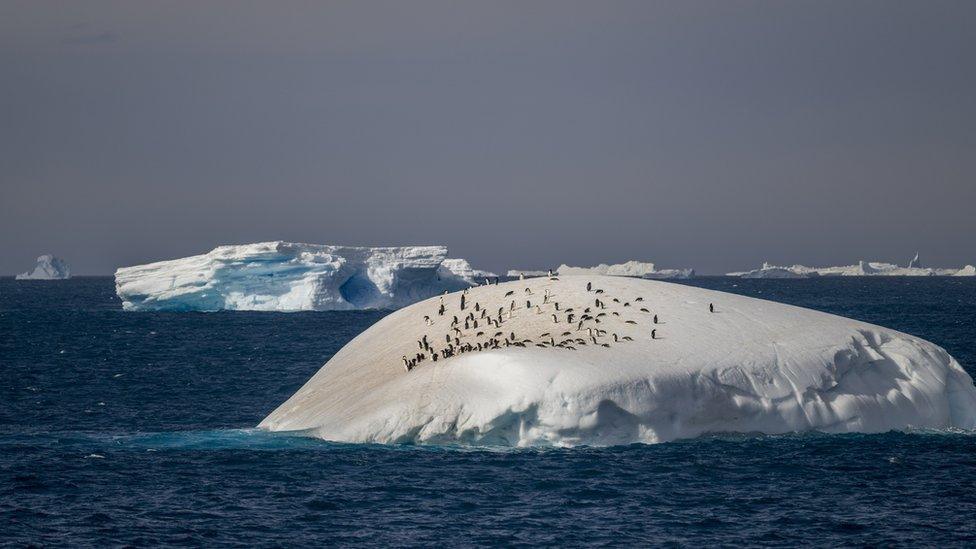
pixel 521 276
pixel 589 286
pixel 654 333
pixel 550 273
pixel 644 310
pixel 440 311
pixel 711 307
pixel 406 363
pixel 477 306
pixel 655 319
pixel 528 304
pixel 615 340
pixel 487 282
pixel 631 322
pixel 554 319
pixel 462 301
pixel 556 304
pixel 510 292
pixel 599 291
pixel 528 291
pixel 639 299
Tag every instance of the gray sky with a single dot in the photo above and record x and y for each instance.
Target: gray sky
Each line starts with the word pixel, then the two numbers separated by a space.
pixel 712 135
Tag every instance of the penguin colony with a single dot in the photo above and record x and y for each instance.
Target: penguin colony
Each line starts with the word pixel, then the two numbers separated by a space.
pixel 485 318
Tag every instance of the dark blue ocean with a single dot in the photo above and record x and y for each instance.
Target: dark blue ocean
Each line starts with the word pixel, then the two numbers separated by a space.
pixel 136 429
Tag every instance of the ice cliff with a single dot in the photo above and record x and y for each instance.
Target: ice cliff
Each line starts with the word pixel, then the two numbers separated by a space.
pixel 600 360
pixel 285 276
pixel 48 267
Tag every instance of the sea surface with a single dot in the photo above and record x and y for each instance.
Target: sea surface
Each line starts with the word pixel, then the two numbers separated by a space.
pixel 120 428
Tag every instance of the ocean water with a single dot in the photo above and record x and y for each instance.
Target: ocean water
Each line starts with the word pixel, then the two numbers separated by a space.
pixel 136 429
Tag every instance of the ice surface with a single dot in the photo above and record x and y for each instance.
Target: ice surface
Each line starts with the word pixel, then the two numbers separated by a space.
pixel 968 270
pixel 751 366
pixel 285 276
pixel 48 267
pixel 517 273
pixel 863 268
pixel 638 269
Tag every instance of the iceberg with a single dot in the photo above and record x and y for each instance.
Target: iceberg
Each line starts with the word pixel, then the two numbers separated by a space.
pixel 48 267
pixel 602 360
pixel 514 273
pixel 638 269
pixel 968 270
pixel 863 268
pixel 286 276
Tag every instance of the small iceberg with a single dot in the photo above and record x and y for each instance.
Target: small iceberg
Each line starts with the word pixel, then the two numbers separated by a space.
pixel 636 269
pixel 863 268
pixel 48 267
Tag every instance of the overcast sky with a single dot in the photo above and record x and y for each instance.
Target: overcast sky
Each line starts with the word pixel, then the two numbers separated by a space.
pixel 712 135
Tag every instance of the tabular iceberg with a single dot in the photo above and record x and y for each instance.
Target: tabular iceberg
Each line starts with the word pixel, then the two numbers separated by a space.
pixel 863 268
pixel 638 269
pixel 285 276
pixel 48 267
pixel 553 362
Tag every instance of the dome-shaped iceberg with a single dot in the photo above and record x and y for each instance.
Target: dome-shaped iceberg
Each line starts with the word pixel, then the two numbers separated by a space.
pixel 628 360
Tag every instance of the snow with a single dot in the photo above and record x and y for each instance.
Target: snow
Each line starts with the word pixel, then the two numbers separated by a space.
pixel 285 276
pixel 48 267
pixel 460 268
pixel 863 268
pixel 517 273
pixel 968 270
pixel 751 366
pixel 639 269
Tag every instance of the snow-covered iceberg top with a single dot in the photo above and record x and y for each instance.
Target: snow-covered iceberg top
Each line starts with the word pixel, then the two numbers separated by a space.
pixel 637 269
pixel 863 268
pixel 48 267
pixel 285 276
pixel 611 360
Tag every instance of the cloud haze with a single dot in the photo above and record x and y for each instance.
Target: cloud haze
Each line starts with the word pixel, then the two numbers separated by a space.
pixel 712 135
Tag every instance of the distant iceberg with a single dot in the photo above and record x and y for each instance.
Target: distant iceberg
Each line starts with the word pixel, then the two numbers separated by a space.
pixel 515 273
pixel 48 267
pixel 286 276
pixel 968 270
pixel 634 269
pixel 863 268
